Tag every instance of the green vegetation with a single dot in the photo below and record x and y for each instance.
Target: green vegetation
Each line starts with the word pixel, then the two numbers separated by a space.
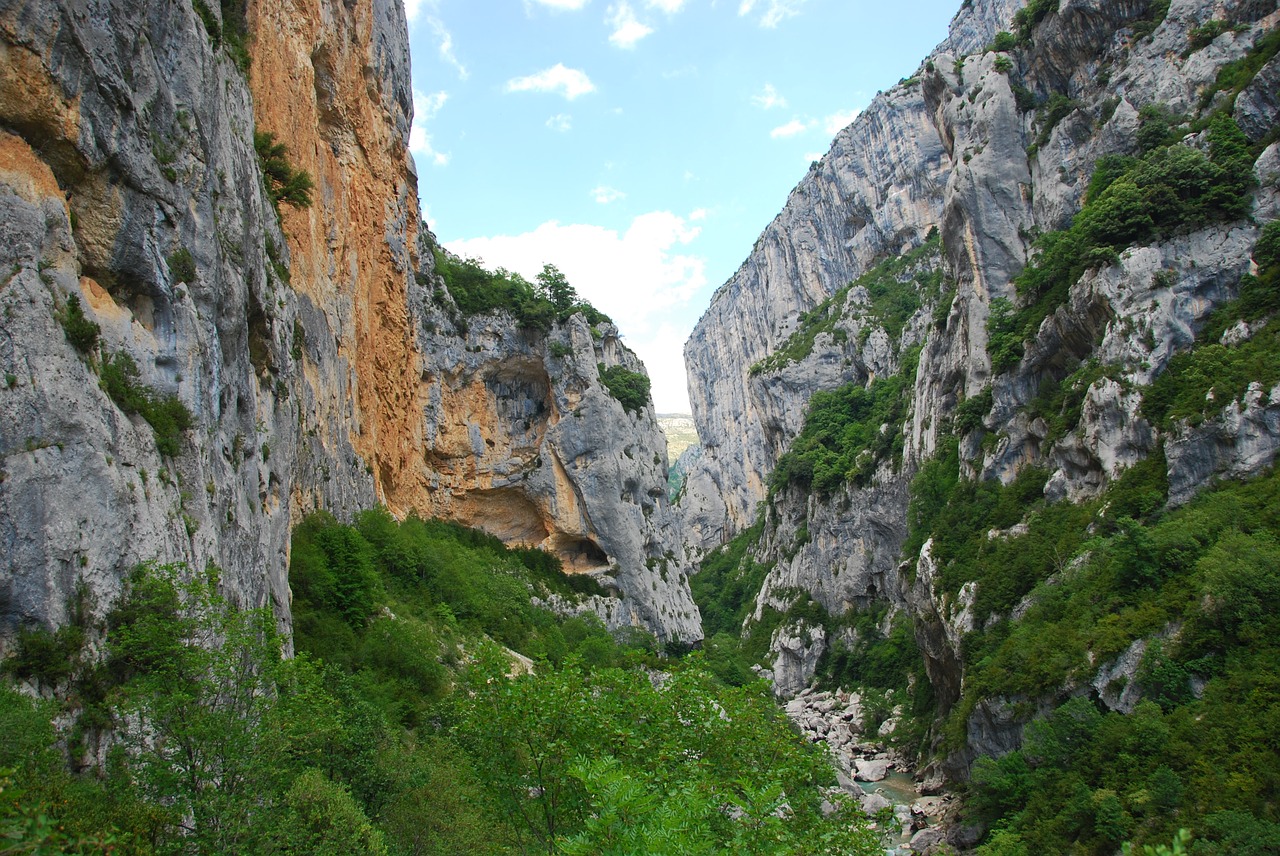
pixel 80 331
pixel 1234 76
pixel 166 414
pixel 476 290
pixel 630 388
pixel 1056 108
pixel 898 287
pixel 1091 579
pixel 1003 42
pixel 1026 18
pixel 1130 201
pixel 417 738
pixel 1154 17
pixel 727 583
pixel 182 265
pixel 1202 35
pixel 1200 382
pixel 847 434
pixel 283 182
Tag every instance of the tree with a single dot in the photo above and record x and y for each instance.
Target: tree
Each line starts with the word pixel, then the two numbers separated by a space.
pixel 554 287
pixel 665 764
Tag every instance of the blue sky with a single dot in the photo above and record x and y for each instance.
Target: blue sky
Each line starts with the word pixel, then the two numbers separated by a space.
pixel 640 146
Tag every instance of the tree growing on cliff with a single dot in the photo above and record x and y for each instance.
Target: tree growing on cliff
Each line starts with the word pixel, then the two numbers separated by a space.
pixel 284 183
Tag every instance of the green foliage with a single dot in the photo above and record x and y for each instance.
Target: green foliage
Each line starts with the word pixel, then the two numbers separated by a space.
pixel 630 388
pixel 897 288
pixel 1003 42
pixel 1267 251
pixel 80 331
pixel 887 662
pixel 1004 65
pixel 1154 17
pixel 283 183
pixel 1202 35
pixel 1056 108
pixel 476 290
pixel 1158 126
pixel 1026 18
pixel 1169 189
pixel 1006 330
pixel 388 599
pixel 182 265
pixel 235 32
pixel 1233 77
pixel 46 657
pixel 639 792
pixel 1182 758
pixel 1200 382
pixel 166 414
pixel 727 583
pixel 847 434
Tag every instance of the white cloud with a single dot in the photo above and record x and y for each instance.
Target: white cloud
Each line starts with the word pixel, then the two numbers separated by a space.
pixel 838 121
pixel 569 82
pixel 773 12
pixel 605 194
pixel 639 277
pixel 561 122
pixel 627 30
pixel 768 98
pixel 561 5
pixel 669 6
pixel 411 9
pixel 795 126
pixel 425 107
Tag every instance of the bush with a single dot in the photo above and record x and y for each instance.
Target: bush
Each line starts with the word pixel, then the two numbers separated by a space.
pixel 630 388
pixel 1003 42
pixel 1267 251
pixel 283 183
pixel 182 265
pixel 80 331
pixel 166 414
pixel 847 433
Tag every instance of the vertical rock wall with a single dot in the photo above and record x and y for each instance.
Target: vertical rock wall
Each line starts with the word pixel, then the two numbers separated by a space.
pixel 303 343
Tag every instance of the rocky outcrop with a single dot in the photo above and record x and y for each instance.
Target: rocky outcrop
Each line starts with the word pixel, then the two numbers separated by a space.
pixel 305 343
pixel 994 171
pixel 522 439
pixel 875 193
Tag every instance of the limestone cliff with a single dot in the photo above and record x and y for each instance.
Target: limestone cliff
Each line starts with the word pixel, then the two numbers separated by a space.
pixel 289 359
pixel 970 147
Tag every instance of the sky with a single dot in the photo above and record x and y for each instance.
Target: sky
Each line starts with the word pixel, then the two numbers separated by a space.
pixel 641 146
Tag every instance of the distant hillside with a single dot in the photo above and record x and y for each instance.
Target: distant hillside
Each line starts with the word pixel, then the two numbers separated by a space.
pixel 680 431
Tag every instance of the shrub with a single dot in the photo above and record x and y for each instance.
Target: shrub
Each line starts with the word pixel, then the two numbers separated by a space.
pixel 628 387
pixel 283 182
pixel 166 414
pixel 1026 18
pixel 1202 36
pixel 182 265
pixel 1003 42
pixel 1267 251
pixel 80 331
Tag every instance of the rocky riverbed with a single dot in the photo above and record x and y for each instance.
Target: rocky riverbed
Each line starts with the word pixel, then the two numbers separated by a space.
pixel 875 774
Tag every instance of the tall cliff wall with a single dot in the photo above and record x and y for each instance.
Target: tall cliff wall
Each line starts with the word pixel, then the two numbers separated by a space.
pixel 304 344
pixel 992 172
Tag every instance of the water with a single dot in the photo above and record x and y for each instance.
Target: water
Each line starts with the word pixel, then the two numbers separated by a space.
pixel 899 789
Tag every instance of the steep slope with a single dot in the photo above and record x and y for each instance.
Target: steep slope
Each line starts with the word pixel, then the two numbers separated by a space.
pixel 877 192
pixel 288 355
pixel 1052 345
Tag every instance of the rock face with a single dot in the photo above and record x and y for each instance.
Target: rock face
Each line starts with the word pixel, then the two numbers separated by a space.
pixel 959 148
pixel 307 345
